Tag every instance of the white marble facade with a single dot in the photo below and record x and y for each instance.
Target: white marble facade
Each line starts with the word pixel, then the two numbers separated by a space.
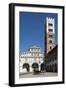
pixel 30 59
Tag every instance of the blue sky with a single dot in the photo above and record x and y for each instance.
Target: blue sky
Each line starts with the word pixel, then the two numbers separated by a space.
pixel 32 29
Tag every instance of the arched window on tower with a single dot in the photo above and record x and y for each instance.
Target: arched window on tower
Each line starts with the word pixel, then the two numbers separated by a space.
pixel 50 36
pixel 50 24
pixel 50 41
pixel 50 47
pixel 50 30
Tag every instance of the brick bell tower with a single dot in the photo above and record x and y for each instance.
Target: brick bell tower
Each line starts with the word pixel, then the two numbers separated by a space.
pixel 49 34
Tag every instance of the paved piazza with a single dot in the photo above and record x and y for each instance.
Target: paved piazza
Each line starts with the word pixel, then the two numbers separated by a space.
pixel 46 74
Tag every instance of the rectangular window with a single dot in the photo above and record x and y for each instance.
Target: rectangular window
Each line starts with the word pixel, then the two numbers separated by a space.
pixel 50 24
pixel 50 30
pixel 50 36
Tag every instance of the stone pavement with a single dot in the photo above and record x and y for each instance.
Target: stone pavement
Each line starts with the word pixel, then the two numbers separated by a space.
pixel 45 74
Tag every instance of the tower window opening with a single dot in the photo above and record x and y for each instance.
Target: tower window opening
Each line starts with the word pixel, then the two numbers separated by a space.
pixel 50 30
pixel 50 24
pixel 50 47
pixel 50 36
pixel 50 41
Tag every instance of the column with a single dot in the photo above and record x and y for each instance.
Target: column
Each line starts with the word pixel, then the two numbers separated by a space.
pixel 39 67
pixel 31 69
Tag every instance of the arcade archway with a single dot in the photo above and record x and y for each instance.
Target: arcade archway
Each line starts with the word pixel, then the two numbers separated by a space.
pixel 26 65
pixel 35 66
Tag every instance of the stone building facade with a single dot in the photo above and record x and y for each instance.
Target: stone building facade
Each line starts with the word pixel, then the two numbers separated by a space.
pixel 51 60
pixel 31 59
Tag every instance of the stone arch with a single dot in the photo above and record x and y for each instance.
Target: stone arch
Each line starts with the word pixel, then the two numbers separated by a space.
pixel 26 65
pixel 35 66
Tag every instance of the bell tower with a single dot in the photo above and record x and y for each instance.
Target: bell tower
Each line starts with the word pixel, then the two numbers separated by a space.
pixel 49 34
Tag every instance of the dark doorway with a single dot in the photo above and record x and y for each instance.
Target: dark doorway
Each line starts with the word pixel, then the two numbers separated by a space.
pixel 35 66
pixel 42 67
pixel 26 65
